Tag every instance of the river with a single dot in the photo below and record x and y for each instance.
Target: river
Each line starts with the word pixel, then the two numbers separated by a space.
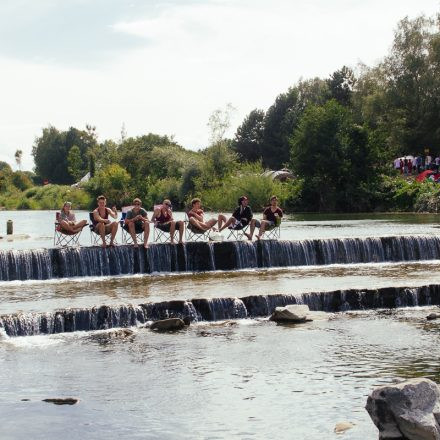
pixel 236 378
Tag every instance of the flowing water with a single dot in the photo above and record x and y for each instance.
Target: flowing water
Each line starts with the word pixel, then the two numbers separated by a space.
pixel 231 373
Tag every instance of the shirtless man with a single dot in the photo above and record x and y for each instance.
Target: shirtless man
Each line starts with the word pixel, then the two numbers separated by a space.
pixel 102 224
pixel 195 217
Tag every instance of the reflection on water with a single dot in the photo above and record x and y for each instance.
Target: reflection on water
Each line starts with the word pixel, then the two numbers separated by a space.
pixel 44 296
pixel 248 379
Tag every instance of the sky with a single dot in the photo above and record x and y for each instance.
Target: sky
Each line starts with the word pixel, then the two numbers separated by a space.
pixel 164 66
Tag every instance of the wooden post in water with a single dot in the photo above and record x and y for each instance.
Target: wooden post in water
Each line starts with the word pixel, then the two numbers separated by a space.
pixel 9 227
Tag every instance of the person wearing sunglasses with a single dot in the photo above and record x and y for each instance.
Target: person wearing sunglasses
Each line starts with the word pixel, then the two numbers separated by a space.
pixel 136 221
pixel 163 218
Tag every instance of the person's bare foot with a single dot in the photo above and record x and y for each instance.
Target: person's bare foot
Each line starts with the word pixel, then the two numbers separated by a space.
pixel 258 237
pixel 145 245
pixel 135 245
pixel 103 245
pixel 248 236
pixel 180 241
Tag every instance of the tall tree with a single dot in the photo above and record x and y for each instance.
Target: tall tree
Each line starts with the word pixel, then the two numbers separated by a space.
pixel 248 138
pixel 283 116
pixel 341 84
pixel 75 163
pixel 51 150
pixel 333 156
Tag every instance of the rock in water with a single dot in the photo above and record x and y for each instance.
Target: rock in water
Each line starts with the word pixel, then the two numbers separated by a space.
pixel 62 400
pixel 432 316
pixel 409 410
pixel 292 313
pixel 170 324
pixel 341 427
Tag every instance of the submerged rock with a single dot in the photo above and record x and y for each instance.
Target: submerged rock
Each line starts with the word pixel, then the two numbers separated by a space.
pixel 341 427
pixel 62 400
pixel 292 313
pixel 170 324
pixel 433 316
pixel 409 410
pixel 113 334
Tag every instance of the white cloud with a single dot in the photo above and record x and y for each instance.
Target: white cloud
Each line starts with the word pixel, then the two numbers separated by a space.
pixel 197 57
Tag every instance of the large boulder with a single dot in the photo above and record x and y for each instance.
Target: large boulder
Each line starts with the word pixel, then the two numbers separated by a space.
pixel 166 325
pixel 291 313
pixel 409 410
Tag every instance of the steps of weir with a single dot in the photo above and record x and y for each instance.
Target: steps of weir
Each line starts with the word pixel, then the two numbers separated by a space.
pixel 41 264
pixel 214 309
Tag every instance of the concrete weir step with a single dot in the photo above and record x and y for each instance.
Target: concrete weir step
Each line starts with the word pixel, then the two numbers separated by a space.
pixel 213 309
pixel 41 264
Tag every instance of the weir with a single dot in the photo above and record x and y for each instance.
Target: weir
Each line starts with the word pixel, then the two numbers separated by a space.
pixel 41 264
pixel 106 317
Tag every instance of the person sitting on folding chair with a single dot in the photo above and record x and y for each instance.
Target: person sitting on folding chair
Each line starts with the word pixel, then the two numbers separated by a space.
pixel 163 219
pixel 136 222
pixel 241 217
pixel 271 219
pixel 102 225
pixel 195 217
pixel 68 221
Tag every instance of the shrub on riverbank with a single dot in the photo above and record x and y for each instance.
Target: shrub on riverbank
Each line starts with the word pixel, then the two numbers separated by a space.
pixel 397 194
pixel 45 197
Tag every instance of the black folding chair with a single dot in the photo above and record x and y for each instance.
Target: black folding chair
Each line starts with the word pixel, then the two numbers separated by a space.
pixel 126 236
pixel 95 236
pixel 192 233
pixel 160 235
pixel 237 234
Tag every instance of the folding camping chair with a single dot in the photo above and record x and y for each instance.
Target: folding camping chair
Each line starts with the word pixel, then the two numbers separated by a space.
pixel 126 236
pixel 95 237
pixel 273 232
pixel 161 236
pixel 237 234
pixel 62 237
pixel 195 234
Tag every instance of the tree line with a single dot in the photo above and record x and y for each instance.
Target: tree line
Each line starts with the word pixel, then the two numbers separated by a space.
pixel 337 134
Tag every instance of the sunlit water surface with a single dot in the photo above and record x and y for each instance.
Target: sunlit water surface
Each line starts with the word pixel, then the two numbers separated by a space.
pixel 245 380
pixel 250 379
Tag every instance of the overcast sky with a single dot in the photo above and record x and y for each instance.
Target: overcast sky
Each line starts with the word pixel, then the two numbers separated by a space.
pixel 165 66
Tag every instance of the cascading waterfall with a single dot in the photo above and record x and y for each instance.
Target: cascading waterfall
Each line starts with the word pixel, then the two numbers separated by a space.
pixel 202 256
pixel 213 309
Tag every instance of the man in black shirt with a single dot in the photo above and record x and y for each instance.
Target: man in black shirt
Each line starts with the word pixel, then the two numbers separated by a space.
pixel 240 217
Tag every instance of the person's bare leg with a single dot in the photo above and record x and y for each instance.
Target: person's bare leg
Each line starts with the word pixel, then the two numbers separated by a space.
pixel 65 225
pixel 132 231
pixel 101 230
pixel 114 229
pixel 211 223
pixel 146 234
pixel 262 228
pixel 228 223
pixel 198 225
pixel 79 226
pixel 181 226
pixel 172 229
pixel 252 229
pixel 220 220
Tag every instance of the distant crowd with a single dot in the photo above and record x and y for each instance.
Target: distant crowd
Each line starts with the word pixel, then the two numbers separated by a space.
pixel 409 165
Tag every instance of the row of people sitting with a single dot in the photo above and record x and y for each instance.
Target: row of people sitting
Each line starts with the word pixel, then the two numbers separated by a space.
pixel 136 220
